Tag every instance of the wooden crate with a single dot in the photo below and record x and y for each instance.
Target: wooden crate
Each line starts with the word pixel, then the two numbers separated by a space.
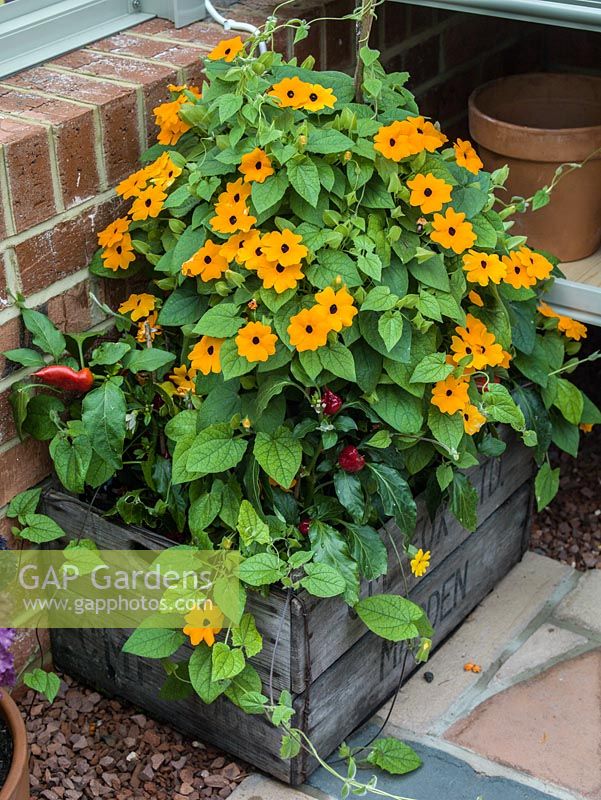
pixel 337 671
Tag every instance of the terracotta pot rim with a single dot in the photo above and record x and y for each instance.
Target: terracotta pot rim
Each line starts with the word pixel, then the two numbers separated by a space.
pixel 474 109
pixel 20 760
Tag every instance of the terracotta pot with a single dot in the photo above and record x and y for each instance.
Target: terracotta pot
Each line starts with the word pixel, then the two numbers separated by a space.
pixel 16 786
pixel 534 123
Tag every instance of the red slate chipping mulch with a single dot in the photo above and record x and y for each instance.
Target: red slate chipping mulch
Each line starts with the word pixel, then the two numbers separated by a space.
pixel 569 530
pixel 87 746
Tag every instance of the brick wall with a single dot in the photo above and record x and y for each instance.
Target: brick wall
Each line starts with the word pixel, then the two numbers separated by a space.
pixel 72 128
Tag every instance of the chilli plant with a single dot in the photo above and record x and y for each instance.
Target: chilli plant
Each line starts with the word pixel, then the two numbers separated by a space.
pixel 335 318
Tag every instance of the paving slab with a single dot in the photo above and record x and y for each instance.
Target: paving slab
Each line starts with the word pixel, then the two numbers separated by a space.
pixel 546 644
pixel 442 776
pixel 582 606
pixel 481 639
pixel 549 726
pixel 258 787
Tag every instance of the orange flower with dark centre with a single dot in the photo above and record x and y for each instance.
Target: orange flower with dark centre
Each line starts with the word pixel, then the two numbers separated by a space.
pixel 227 50
pixel 308 330
pixel 429 193
pixel 207 263
pixel 232 218
pixel 256 342
pixel 285 248
pixel 148 204
pixel 256 166
pixel 204 356
pixel 339 306
pixel 291 92
pixel 452 231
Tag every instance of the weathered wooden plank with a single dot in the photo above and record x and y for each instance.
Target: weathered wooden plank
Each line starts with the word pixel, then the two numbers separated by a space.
pixel 95 658
pixel 358 683
pixel 327 623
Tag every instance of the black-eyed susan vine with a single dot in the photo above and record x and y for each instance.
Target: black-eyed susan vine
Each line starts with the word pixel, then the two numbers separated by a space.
pixel 335 318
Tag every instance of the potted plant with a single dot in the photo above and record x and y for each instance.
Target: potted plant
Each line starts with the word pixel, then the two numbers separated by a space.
pixel 14 754
pixel 337 364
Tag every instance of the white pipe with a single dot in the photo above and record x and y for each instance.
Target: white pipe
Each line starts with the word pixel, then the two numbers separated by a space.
pixel 232 24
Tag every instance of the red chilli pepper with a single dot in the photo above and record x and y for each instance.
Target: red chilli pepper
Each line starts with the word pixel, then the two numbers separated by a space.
pixel 66 378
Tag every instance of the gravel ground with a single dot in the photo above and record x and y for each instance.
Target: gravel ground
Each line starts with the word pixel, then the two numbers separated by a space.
pixel 87 746
pixel 569 530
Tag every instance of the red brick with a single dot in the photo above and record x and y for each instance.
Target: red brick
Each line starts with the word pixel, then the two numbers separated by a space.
pixel 27 156
pixel 73 131
pixel 26 649
pixel 470 36
pixel 117 108
pixel 174 54
pixel 6 526
pixel 63 249
pixel 420 61
pixel 570 49
pixel 24 465
pixel 340 35
pixel 525 56
pixel 7 424
pixel 394 24
pixel 204 34
pixel 106 65
pixel 456 91
pixel 72 310
pixel 11 336
pixel 422 18
pixel 312 45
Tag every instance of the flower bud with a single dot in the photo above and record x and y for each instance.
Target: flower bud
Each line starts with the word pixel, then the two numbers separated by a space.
pixel 351 460
pixel 304 525
pixel 331 402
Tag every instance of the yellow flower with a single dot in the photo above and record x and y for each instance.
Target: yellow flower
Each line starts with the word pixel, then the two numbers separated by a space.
pixel 203 625
pixel 397 141
pixel 473 420
pixel 171 126
pixel 227 50
pixel 208 263
pixel 148 329
pixel 232 249
pixel 140 305
pixel 546 310
pixel 256 166
pixel 286 247
pixel 572 329
pixel 114 232
pixel 586 427
pixel 476 299
pixel 291 92
pixel 452 232
pixel 309 329
pixel 339 306
pixel 251 253
pixel 516 271
pixel 163 171
pixel 184 379
pixel 483 268
pixel 148 203
pixel 235 192
pixel 133 184
pixel 277 276
pixel 420 563
pixel 256 342
pixel 232 218
pixel 450 395
pixel 506 359
pixel 427 136
pixel 120 255
pixel 204 356
pixel 319 98
pixel 537 265
pixel 466 156
pixel 429 193
pixel 476 343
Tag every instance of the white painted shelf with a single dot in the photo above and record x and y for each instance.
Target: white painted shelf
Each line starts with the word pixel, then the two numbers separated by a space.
pixel 579 294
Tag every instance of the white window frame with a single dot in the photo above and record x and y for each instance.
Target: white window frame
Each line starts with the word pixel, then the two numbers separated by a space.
pixel 33 31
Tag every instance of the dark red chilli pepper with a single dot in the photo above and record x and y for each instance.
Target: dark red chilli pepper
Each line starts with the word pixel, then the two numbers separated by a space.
pixel 66 378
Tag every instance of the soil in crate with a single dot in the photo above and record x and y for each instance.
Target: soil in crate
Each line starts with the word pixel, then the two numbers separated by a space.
pixel 337 672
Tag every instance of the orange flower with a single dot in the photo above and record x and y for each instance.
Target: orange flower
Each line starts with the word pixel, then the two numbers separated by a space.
pixel 256 166
pixel 537 266
pixel 516 271
pixel 204 356
pixel 114 232
pixel 546 310
pixel 319 98
pixel 133 184
pixel 428 136
pixel 450 395
pixel 339 306
pixel 149 203
pixel 251 253
pixel 172 127
pixel 232 218
pixel 429 193
pixel 227 50
pixel 476 299
pixel 473 420
pixel 120 255
pixel 207 263
pixel 309 329
pixel 291 92
pixel 256 342
pixel 277 276
pixel 586 427
pixel 235 192
pixel 184 379
pixel 483 268
pixel 203 625
pixel 140 305
pixel 163 171
pixel 420 563
pixel 148 329
pixel 476 343
pixel 285 247
pixel 397 141
pixel 452 232
pixel 572 329
pixel 232 249
pixel 466 156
